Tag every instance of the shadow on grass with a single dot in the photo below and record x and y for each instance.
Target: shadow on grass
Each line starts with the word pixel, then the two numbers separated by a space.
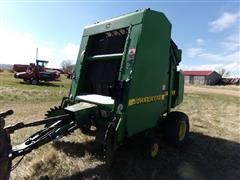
pixel 202 157
pixel 78 149
pixel 48 84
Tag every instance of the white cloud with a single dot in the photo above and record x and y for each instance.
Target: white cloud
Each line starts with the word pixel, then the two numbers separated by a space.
pixel 203 54
pixel 204 67
pixel 224 57
pixel 214 61
pixel 232 42
pixel 200 41
pixel 228 57
pixel 211 66
pixel 20 48
pixel 71 51
pixel 192 52
pixel 50 43
pixel 233 67
pixel 225 21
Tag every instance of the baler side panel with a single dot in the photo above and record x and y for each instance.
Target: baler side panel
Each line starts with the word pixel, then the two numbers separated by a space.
pixel 178 86
pixel 128 58
pixel 79 84
pixel 115 23
pixel 79 71
pixel 152 58
pixel 127 67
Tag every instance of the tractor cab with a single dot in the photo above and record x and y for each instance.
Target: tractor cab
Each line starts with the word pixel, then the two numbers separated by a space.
pixel 41 63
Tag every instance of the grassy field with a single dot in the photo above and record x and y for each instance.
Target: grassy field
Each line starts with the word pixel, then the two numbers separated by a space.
pixel 212 151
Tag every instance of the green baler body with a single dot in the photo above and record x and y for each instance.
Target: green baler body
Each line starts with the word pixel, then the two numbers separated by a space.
pixel 145 60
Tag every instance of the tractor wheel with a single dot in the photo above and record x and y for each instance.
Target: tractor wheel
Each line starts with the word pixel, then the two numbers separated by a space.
pixel 27 81
pixel 34 82
pixel 176 128
pixel 109 142
pixel 5 169
pixel 5 162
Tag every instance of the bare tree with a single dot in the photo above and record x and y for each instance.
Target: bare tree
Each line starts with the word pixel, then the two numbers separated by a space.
pixel 223 72
pixel 67 66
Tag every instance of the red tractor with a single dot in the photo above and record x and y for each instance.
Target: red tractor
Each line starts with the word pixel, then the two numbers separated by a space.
pixel 37 72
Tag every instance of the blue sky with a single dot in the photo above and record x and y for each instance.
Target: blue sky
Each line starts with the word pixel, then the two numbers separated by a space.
pixel 207 31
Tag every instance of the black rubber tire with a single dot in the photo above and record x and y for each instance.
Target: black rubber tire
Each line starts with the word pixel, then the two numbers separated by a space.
pixel 172 125
pixel 34 82
pixel 153 147
pixel 108 149
pixel 5 162
pixel 6 170
pixel 86 129
pixel 27 81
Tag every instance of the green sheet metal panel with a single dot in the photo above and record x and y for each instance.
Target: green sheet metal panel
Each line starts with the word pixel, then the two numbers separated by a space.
pixel 178 86
pixel 78 83
pixel 80 106
pixel 150 74
pixel 145 70
pixel 126 73
pixel 79 71
pixel 82 111
pixel 115 23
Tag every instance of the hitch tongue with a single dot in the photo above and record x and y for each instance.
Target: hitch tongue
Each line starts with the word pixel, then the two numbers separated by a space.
pixel 5 148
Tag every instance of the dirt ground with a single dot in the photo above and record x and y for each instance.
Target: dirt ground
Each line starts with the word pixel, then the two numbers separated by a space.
pixel 211 152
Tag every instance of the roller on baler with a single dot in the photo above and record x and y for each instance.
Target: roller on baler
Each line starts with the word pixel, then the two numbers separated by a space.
pixel 125 83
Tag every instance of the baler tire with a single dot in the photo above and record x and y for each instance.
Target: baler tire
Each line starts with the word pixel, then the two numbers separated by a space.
pixel 86 129
pixel 176 128
pixel 108 148
pixel 153 147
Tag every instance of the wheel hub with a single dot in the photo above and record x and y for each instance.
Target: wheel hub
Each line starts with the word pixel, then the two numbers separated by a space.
pixel 182 131
pixel 154 150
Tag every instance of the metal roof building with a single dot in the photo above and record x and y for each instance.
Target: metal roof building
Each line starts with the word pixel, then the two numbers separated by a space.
pixel 201 77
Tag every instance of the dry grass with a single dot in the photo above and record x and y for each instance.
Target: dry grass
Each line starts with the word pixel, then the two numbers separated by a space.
pixel 213 115
pixel 221 90
pixel 212 151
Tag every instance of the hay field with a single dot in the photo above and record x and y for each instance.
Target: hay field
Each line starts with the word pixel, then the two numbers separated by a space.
pixel 212 151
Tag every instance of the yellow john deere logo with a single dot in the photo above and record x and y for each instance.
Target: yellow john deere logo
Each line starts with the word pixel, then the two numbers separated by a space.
pixel 148 99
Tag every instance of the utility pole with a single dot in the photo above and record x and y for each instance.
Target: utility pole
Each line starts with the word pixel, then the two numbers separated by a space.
pixel 37 54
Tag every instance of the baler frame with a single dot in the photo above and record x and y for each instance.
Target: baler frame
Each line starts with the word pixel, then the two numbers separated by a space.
pixel 125 83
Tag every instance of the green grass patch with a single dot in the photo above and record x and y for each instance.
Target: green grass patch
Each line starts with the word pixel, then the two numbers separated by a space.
pixel 12 89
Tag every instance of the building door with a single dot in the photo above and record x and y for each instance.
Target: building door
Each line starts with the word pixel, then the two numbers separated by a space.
pixel 191 79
